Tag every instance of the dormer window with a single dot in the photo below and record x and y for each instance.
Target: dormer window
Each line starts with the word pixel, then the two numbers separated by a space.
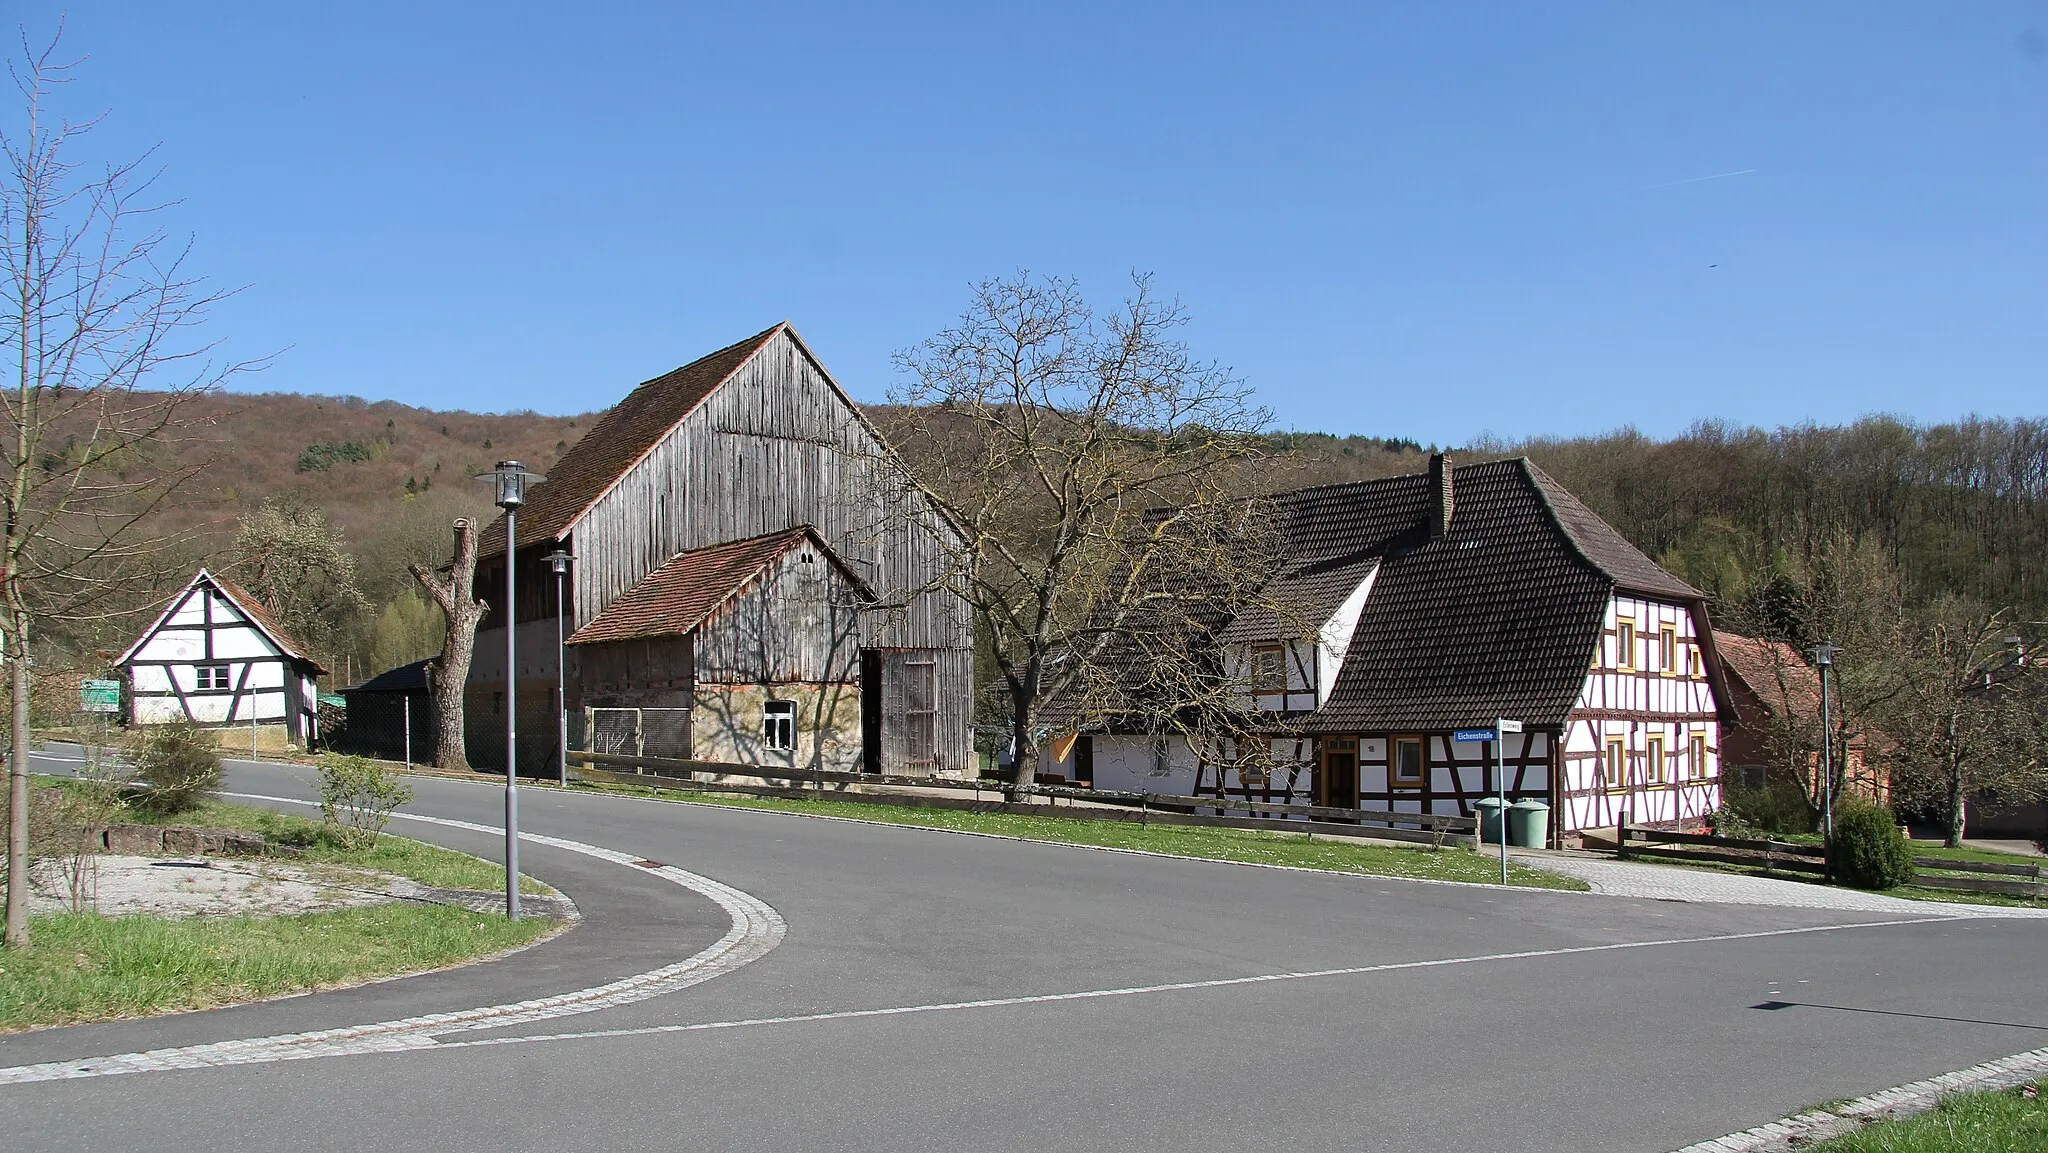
pixel 1269 668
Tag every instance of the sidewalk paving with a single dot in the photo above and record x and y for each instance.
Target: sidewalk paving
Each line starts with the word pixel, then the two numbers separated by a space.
pixel 1651 881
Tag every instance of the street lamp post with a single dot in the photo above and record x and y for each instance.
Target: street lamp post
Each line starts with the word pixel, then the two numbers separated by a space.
pixel 510 477
pixel 1824 660
pixel 558 560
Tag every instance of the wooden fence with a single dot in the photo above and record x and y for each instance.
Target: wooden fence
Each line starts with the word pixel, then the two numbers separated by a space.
pixel 1083 804
pixel 2012 880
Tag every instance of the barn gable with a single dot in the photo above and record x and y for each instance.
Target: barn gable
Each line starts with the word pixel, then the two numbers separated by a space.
pixel 752 441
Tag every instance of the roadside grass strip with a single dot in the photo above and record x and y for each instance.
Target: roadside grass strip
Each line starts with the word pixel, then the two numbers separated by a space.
pixel 756 929
pixel 1982 1109
pixel 310 842
pixel 1244 846
pixel 86 967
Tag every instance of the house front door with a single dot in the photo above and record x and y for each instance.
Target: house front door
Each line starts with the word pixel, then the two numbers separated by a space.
pixel 1338 779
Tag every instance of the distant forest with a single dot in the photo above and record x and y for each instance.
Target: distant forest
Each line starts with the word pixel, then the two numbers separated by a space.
pixel 1957 508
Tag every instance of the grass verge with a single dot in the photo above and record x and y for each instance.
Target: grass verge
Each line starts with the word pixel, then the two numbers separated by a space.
pixel 1244 845
pixel 311 842
pixel 1964 1123
pixel 85 967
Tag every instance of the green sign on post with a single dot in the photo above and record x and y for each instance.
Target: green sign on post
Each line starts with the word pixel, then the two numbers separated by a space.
pixel 99 696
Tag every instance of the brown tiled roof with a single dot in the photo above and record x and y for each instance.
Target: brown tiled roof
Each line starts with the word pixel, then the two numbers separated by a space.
pixel 1307 592
pixel 675 599
pixel 619 439
pixel 1607 549
pixel 1497 618
pixel 1760 664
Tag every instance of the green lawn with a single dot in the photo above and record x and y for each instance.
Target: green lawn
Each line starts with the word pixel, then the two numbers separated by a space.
pixel 1990 1122
pixel 1448 864
pixel 85 967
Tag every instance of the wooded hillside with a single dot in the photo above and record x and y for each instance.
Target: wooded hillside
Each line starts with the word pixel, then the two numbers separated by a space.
pixel 1958 508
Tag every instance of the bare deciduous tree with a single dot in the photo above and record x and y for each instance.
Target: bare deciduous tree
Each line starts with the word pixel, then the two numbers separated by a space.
pixel 98 307
pixel 1090 464
pixel 1969 720
pixel 448 675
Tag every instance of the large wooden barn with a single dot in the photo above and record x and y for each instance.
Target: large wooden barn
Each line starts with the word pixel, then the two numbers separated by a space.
pixel 215 658
pixel 755 581
pixel 1444 601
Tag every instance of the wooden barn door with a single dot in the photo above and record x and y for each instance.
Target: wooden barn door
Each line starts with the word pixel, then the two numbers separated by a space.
pixel 870 711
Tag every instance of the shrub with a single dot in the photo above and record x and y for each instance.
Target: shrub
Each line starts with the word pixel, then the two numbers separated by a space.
pixel 179 765
pixel 357 796
pixel 1778 807
pixel 1869 851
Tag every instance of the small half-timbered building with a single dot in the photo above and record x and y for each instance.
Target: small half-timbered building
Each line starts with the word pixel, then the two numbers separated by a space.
pixel 215 658
pixel 1420 606
pixel 755 579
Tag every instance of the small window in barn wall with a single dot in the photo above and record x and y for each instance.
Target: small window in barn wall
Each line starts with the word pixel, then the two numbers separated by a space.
pixel 778 724
pixel 212 677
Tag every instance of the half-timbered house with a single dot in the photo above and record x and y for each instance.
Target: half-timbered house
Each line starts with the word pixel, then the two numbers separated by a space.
pixel 1420 606
pixel 215 658
pixel 754 581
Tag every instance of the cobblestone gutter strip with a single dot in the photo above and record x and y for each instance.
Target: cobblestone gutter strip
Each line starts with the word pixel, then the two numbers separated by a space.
pixel 1802 1130
pixel 756 929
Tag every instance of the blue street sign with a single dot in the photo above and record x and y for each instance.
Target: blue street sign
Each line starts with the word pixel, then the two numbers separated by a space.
pixel 1472 735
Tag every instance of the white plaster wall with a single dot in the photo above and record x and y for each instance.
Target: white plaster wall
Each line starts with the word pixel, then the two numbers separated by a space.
pixel 1335 636
pixel 1131 762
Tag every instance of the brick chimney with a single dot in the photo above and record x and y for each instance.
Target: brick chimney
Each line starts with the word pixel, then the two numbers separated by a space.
pixel 1442 501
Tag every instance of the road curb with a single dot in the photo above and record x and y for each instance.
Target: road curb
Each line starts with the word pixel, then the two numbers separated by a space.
pixel 1803 1129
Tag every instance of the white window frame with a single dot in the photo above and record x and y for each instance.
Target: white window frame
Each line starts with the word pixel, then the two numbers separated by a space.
pixel 778 725
pixel 211 678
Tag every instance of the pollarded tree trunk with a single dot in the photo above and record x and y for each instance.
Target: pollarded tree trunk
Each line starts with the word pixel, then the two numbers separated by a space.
pixel 448 674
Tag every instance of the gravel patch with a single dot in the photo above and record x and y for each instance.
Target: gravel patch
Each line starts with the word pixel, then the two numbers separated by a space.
pixel 223 887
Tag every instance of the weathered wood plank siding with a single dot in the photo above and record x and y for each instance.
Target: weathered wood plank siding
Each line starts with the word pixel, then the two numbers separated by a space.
pixel 799 624
pixel 773 448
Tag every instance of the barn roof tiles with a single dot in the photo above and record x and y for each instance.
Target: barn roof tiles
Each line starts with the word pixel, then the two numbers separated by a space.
pixel 677 598
pixel 616 442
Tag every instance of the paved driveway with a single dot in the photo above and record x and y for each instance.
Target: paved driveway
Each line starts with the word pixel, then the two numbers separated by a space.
pixel 937 991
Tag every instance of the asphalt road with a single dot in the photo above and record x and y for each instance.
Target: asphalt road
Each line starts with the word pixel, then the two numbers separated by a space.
pixel 1615 1025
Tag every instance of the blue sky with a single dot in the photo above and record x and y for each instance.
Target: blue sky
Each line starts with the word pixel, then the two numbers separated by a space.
pixel 1423 220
